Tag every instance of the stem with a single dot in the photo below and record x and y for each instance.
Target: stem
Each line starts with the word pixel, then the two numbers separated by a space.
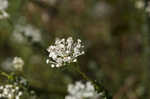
pixel 98 87
pixel 4 74
pixel 10 22
pixel 146 48
pixel 81 73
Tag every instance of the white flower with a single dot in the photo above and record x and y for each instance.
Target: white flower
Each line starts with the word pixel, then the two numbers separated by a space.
pixel 139 4
pixel 18 63
pixel 13 64
pixel 10 91
pixel 22 31
pixel 101 9
pixel 18 37
pixel 82 91
pixel 32 32
pixel 148 8
pixel 64 51
pixel 3 6
pixel 52 2
pixel 7 64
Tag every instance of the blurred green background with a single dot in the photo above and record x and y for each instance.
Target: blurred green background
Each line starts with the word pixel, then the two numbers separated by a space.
pixel 115 34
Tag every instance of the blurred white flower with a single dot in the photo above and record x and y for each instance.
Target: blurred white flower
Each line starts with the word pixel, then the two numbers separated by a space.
pixel 148 8
pixel 64 51
pixel 18 63
pixel 7 64
pixel 18 37
pixel 52 2
pixel 32 32
pixel 3 6
pixel 139 4
pixel 101 9
pixel 15 64
pixel 22 31
pixel 82 91
pixel 10 91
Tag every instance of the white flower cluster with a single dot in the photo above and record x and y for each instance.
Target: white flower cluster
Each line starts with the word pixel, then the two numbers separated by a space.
pixel 15 64
pixel 139 4
pixel 18 63
pixel 22 31
pixel 10 91
pixel 64 51
pixel 52 2
pixel 7 64
pixel 3 6
pixel 82 91
pixel 148 8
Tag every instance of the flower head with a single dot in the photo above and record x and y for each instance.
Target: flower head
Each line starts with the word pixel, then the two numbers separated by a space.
pixel 64 51
pixel 3 6
pixel 27 30
pixel 13 64
pixel 18 63
pixel 82 91
pixel 10 91
pixel 139 4
pixel 7 64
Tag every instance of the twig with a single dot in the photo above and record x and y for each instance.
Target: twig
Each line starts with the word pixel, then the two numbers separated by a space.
pixel 146 48
pixel 98 87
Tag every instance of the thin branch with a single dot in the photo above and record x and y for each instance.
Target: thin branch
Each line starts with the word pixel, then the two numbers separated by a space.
pixel 98 87
pixel 146 47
